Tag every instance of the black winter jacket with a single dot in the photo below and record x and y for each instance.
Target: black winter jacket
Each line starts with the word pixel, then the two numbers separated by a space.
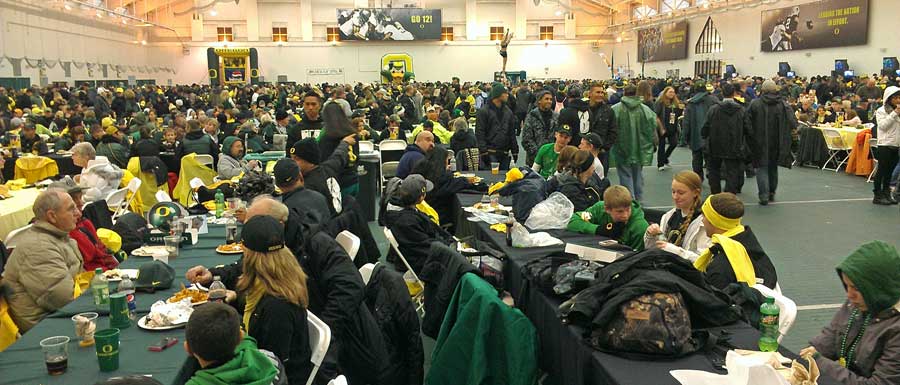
pixel 387 298
pixel 351 219
pixel 495 130
pixel 337 297
pixel 281 328
pixel 720 273
pixel 414 232
pixel 307 214
pixel 773 121
pixel 197 142
pixel 601 118
pixel 323 179
pixel 582 195
pixel 441 272
pixel 727 132
pixel 441 197
pixel 462 140
pixel 650 271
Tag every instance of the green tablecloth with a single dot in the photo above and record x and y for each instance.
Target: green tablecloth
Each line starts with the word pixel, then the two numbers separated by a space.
pixel 23 364
pixel 263 157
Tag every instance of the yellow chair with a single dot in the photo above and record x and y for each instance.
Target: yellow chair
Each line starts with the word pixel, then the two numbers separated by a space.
pixel 9 332
pixel 191 168
pixel 147 192
pixel 35 168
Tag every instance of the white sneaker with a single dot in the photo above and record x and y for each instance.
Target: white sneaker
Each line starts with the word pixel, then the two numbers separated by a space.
pixel 664 167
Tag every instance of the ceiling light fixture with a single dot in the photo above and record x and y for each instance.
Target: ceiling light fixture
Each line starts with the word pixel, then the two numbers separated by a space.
pixel 213 12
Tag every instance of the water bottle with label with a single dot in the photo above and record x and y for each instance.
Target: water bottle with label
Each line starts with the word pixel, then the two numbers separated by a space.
pixel 768 325
pixel 100 289
pixel 217 290
pixel 127 287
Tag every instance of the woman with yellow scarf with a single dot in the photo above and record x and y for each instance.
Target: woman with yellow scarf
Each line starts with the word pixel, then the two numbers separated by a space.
pixel 735 254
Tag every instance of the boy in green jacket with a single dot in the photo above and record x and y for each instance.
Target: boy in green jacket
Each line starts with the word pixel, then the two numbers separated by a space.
pixel 618 217
pixel 214 337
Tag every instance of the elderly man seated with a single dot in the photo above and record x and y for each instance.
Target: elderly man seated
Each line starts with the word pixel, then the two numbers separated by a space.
pixel 40 275
pixel 98 180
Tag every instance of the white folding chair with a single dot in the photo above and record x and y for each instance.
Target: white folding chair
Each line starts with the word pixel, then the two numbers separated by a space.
pixel 391 150
pixel 787 309
pixel 204 159
pixel 132 187
pixel 319 339
pixel 339 380
pixel 366 272
pixel 366 146
pixel 116 199
pixel 418 298
pixel 350 242
pixel 873 144
pixel 838 150
pixel 388 171
pixel 11 240
pixel 97 161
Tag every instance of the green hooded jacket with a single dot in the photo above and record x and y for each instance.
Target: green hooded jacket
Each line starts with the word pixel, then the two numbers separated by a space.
pixel 248 367
pixel 875 270
pixel 637 129
pixel 633 236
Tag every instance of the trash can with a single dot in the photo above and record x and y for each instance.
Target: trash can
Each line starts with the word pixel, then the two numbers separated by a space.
pixel 369 184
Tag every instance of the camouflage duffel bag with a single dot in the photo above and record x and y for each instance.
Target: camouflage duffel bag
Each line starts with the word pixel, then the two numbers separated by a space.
pixel 656 325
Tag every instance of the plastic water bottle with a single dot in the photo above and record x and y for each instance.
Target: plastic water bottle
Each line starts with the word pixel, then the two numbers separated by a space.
pixel 230 229
pixel 453 164
pixel 100 289
pixel 768 325
pixel 127 287
pixel 510 221
pixel 217 290
pixel 220 203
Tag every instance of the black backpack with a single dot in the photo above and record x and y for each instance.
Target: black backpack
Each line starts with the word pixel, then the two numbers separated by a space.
pixel 131 227
pixel 650 325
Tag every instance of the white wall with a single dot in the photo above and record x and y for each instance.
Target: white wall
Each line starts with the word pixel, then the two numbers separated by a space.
pixel 740 32
pixel 34 34
pixel 431 61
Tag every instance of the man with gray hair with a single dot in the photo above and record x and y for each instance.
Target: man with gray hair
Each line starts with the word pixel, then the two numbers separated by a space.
pixel 41 271
pixel 98 180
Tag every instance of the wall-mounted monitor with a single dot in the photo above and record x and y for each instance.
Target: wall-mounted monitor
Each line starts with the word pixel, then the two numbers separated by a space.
pixel 729 69
pixel 841 65
pixel 848 74
pixel 791 74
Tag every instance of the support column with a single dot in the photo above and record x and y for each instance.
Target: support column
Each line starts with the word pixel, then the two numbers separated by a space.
pixel 251 15
pixel 471 20
pixel 306 30
pixel 521 27
pixel 570 25
pixel 197 27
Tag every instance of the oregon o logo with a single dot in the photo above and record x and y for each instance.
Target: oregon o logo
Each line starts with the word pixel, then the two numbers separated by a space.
pixel 837 31
pixel 213 73
pixel 163 211
pixel 107 349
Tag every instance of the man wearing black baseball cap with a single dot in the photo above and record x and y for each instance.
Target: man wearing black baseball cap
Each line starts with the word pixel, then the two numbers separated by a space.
pixel 593 143
pixel 548 154
pixel 319 174
pixel 308 210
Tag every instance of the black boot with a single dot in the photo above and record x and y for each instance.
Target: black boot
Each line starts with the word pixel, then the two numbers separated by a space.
pixel 763 199
pixel 880 199
pixel 771 197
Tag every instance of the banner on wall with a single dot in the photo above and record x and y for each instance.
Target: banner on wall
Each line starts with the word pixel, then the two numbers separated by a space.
pixel 663 42
pixel 827 23
pixel 373 24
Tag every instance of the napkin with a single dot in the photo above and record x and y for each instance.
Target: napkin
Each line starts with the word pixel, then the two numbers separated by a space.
pixel 800 375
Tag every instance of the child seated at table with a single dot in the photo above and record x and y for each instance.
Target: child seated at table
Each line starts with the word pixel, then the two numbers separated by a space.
pixel 618 217
pixel 170 140
pixel 214 337
pixel 735 254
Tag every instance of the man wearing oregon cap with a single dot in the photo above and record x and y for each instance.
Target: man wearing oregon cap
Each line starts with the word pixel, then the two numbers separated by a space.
pixel 548 154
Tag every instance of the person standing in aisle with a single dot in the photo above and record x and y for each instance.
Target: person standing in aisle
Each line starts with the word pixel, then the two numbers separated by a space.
pixel 495 130
pixel 727 134
pixel 888 118
pixel 694 119
pixel 668 109
pixel 773 122
pixel 636 140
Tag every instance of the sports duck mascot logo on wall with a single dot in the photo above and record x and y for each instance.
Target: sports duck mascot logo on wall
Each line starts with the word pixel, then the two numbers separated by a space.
pixel 396 68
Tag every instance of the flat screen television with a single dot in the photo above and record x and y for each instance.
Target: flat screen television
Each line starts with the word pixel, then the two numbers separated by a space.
pixel 791 74
pixel 841 65
pixel 890 63
pixel 729 69
pixel 783 67
pixel 848 74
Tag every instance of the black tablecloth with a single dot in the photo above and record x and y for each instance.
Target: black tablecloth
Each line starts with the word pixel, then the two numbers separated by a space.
pixel 63 163
pixel 564 354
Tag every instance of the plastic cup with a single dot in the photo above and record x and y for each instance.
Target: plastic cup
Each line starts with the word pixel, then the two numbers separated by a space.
pixel 172 242
pixel 91 317
pixel 118 311
pixel 234 203
pixel 107 349
pixel 56 354
pixel 495 168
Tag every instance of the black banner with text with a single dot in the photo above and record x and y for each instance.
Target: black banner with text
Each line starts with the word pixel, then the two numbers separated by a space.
pixel 373 24
pixel 663 42
pixel 827 23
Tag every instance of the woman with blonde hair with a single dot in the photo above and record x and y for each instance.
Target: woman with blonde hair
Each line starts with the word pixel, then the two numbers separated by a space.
pixel 668 110
pixel 274 286
pixel 681 230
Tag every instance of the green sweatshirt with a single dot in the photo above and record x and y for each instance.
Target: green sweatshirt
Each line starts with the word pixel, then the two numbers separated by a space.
pixel 633 236
pixel 875 270
pixel 248 367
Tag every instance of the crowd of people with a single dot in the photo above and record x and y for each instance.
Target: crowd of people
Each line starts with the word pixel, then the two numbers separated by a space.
pixel 572 133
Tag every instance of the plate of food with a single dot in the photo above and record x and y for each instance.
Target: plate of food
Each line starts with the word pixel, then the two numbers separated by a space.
pixel 196 296
pixel 472 178
pixel 150 251
pixel 167 316
pixel 234 248
pixel 115 275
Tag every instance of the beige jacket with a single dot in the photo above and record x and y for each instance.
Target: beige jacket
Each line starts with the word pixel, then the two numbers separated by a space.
pixel 40 274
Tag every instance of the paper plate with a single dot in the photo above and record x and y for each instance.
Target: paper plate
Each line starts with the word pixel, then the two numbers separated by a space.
pixel 142 323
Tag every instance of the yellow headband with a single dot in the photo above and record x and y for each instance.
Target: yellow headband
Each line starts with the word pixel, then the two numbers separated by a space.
pixel 717 219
